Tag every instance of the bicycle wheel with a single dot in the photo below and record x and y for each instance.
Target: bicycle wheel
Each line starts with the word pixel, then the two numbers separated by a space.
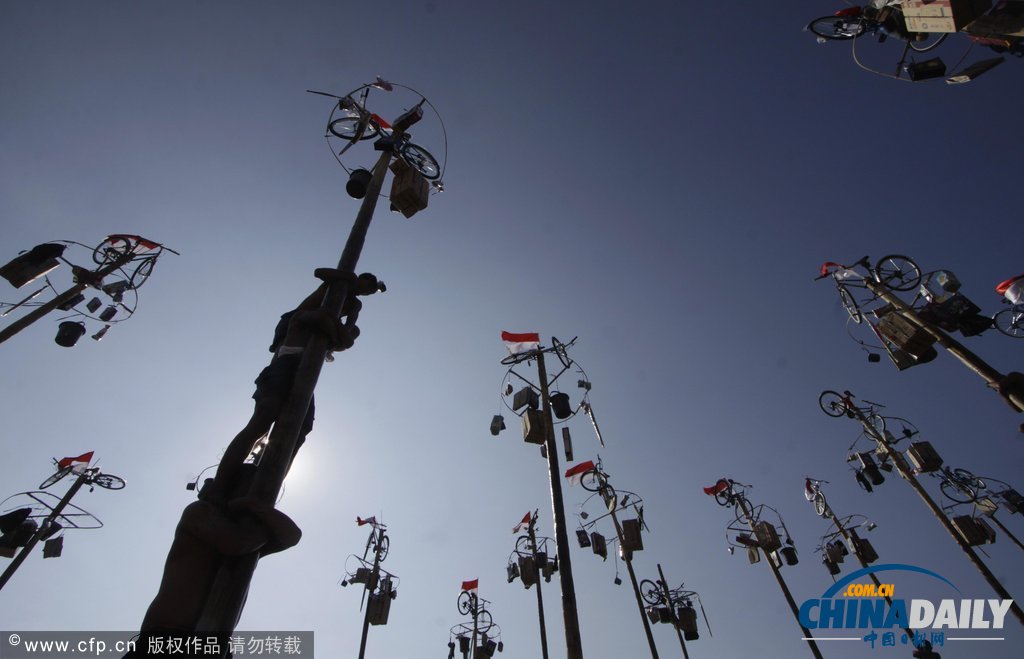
pixel 466 602
pixel 969 479
pixel 897 272
pixel 957 492
pixel 484 621
pixel 832 403
pixel 382 550
pixel 421 160
pixel 346 128
pixel 819 504
pixel 591 481
pixel 142 273
pixel 851 306
pixel 109 482
pixel 110 249
pixel 836 28
pixel 1010 322
pixel 54 478
pixel 724 498
pixel 651 592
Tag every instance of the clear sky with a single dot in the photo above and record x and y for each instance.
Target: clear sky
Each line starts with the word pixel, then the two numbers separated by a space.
pixel 661 179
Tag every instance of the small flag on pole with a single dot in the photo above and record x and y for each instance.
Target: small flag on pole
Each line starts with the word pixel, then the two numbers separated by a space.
pixel 523 524
pixel 719 486
pixel 575 474
pixel 519 343
pixel 78 463
pixel 369 520
pixel 469 586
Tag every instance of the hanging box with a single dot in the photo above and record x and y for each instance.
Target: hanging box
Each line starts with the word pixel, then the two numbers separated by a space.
pixel 925 458
pixel 533 427
pixel 528 570
pixel 631 538
pixel 767 537
pixel 904 333
pixel 970 530
pixel 942 15
pixel 957 306
pixel 865 551
pixel 409 190
pixel 379 608
pixel 990 534
pixel 1012 500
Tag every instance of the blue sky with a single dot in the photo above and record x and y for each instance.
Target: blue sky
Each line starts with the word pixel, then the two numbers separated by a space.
pixel 661 180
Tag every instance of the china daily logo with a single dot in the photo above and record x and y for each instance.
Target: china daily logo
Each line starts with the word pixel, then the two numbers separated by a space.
pixel 848 605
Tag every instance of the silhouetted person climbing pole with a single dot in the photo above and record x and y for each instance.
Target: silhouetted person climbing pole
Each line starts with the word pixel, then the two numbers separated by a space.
pixel 226 522
pixel 274 383
pixel 248 501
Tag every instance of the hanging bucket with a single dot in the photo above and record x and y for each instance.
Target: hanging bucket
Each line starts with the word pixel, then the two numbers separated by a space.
pixel 69 332
pixel 560 405
pixel 358 181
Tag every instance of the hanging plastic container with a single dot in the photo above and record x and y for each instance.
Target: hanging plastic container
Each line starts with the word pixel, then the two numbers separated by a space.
pixel 940 286
pixel 69 332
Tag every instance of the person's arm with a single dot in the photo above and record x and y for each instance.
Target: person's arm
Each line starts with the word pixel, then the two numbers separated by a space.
pixel 314 300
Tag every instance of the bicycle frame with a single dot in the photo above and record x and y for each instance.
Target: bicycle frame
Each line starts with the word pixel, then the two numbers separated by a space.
pixel 361 124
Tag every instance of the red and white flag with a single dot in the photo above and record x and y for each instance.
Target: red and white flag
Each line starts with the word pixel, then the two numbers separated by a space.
pixel 808 489
pixel 838 270
pixel 521 526
pixel 575 474
pixel 719 486
pixel 81 462
pixel 469 586
pixel 369 520
pixel 518 343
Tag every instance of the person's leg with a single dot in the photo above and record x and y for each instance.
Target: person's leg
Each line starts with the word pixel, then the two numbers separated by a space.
pixel 205 534
pixel 263 417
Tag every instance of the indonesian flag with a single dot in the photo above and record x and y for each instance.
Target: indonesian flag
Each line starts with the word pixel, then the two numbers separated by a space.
pixel 517 343
pixel 369 520
pixel 837 269
pixel 808 490
pixel 77 464
pixel 523 524
pixel 575 474
pixel 719 486
pixel 1012 289
pixel 1002 287
pixel 469 586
